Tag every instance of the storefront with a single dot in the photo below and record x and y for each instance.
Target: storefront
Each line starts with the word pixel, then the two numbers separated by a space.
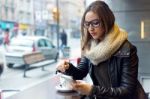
pixel 23 28
pixel 8 24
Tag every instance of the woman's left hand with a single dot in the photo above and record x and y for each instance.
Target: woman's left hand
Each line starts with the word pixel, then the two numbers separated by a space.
pixel 82 87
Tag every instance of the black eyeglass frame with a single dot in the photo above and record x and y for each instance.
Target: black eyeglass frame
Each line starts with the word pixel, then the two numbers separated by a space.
pixel 94 23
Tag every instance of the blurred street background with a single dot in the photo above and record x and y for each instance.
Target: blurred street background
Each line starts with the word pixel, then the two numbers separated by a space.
pixel 52 18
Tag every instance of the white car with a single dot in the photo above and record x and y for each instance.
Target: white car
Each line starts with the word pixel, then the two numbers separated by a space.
pixel 27 44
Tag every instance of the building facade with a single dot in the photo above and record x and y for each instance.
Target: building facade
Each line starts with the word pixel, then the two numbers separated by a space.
pixel 32 17
pixel 24 15
pixel 15 15
pixel 7 14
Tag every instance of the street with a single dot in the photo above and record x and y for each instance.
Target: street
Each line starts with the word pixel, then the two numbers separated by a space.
pixel 13 78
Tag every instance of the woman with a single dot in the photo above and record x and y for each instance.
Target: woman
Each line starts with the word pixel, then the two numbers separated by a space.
pixel 107 55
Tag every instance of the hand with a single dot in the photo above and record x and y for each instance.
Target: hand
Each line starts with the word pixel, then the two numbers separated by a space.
pixel 62 66
pixel 82 87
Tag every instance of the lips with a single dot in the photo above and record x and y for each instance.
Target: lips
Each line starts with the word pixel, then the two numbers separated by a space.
pixel 93 34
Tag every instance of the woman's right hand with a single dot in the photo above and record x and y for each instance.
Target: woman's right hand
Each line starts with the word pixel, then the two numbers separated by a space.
pixel 62 66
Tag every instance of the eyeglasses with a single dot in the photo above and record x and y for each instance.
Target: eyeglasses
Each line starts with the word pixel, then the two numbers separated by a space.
pixel 94 23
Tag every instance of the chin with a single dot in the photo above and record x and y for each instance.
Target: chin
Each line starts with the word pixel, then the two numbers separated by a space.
pixel 94 37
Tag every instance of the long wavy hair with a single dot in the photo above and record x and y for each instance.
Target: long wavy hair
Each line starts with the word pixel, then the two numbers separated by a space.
pixel 106 17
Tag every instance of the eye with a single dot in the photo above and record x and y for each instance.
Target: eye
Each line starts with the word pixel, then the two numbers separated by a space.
pixel 96 23
pixel 86 24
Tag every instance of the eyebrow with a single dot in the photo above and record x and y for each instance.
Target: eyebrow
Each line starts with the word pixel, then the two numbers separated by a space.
pixel 92 20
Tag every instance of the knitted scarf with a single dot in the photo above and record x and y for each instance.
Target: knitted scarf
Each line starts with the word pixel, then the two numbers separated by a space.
pixel 107 47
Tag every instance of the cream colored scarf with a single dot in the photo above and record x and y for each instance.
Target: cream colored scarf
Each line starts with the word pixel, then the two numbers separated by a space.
pixel 107 47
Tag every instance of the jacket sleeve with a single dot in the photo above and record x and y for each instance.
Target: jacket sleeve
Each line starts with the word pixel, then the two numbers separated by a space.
pixel 128 80
pixel 80 71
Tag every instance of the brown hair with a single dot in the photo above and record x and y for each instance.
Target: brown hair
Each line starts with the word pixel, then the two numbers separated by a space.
pixel 105 15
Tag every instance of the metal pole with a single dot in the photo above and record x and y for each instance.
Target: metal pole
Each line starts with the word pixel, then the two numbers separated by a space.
pixel 57 4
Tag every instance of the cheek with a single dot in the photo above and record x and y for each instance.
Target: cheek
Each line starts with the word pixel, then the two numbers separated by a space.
pixel 100 32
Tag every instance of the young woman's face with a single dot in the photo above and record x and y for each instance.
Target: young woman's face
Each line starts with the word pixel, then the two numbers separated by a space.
pixel 93 25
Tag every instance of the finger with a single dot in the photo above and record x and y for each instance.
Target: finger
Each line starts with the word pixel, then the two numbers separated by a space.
pixel 65 62
pixel 79 84
pixel 58 66
pixel 61 68
pixel 66 66
pixel 79 81
pixel 75 85
pixel 61 62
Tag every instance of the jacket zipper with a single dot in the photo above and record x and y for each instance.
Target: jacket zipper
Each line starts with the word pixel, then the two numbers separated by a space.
pixel 109 73
pixel 95 97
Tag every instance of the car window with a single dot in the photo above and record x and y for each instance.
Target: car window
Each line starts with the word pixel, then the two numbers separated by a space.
pixel 49 44
pixel 41 43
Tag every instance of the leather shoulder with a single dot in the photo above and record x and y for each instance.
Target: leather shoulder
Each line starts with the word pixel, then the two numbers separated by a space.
pixel 124 50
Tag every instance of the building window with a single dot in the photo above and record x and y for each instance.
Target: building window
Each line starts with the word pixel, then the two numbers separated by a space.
pixel 145 29
pixel 21 16
pixel 6 12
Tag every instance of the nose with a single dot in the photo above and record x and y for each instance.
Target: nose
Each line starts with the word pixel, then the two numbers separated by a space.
pixel 91 28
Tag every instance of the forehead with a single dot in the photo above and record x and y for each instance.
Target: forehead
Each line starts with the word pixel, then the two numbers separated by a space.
pixel 91 16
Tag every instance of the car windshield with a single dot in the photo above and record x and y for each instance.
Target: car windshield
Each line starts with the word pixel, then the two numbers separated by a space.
pixel 21 42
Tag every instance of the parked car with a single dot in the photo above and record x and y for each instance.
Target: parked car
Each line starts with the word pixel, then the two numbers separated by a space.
pixel 27 44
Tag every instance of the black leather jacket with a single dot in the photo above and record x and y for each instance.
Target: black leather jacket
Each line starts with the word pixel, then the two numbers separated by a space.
pixel 122 75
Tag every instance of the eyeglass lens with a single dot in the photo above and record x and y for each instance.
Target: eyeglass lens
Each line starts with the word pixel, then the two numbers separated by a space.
pixel 94 23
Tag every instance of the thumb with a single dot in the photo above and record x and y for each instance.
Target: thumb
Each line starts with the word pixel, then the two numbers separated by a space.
pixel 79 81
